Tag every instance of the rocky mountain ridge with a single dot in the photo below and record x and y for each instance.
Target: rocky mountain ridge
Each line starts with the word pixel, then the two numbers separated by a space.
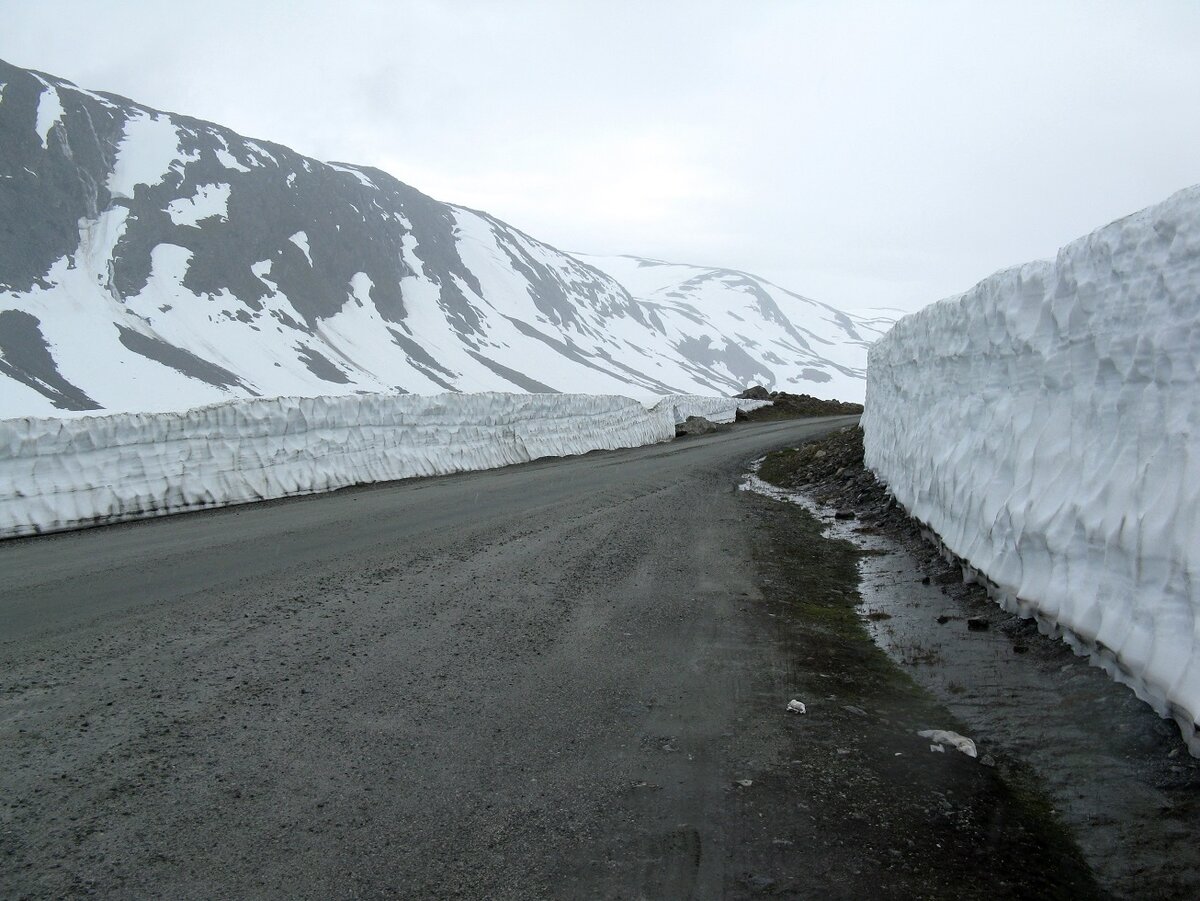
pixel 151 261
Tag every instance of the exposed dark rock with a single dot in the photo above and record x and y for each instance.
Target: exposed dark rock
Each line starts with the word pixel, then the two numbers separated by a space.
pixel 178 359
pixel 25 357
pixel 790 406
pixel 757 392
pixel 698 425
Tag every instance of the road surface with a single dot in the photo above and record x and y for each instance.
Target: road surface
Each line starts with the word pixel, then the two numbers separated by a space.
pixel 515 682
pixel 562 679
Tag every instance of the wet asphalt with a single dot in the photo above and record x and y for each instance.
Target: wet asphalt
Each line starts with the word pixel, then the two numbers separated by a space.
pixel 528 682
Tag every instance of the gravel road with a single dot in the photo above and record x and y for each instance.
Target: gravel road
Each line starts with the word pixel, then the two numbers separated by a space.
pixel 540 681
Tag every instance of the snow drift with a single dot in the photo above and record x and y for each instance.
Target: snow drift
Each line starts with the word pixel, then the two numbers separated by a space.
pixel 714 409
pixel 65 473
pixel 1044 425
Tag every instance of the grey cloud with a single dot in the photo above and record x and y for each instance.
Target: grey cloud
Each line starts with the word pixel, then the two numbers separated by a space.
pixel 869 154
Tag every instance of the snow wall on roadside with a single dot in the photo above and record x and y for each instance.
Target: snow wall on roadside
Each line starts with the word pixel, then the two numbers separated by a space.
pixel 65 473
pixel 1045 425
pixel 714 409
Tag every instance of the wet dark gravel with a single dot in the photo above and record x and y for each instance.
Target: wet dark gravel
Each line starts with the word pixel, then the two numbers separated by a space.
pixel 566 679
pixel 1117 776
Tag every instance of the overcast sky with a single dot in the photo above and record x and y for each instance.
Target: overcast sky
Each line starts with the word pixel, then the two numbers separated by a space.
pixel 866 154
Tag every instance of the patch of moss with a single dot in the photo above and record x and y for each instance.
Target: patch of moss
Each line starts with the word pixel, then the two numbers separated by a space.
pixel 823 600
pixel 779 467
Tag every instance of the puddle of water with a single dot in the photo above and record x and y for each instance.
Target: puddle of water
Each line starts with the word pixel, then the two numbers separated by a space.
pixel 1118 775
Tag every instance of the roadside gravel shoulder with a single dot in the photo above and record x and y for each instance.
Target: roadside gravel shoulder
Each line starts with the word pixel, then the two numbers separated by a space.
pixel 1115 777
pixel 871 809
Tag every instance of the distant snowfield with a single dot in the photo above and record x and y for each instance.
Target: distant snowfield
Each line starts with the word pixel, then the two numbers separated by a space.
pixel 752 319
pixel 209 200
pixel 180 264
pixel 1046 424
pixel 61 474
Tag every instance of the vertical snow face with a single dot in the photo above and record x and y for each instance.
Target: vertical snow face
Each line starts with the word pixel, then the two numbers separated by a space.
pixel 1046 424
pixel 57 474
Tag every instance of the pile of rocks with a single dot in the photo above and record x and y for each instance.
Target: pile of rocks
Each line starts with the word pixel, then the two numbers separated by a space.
pixel 699 425
pixel 831 470
pixel 787 405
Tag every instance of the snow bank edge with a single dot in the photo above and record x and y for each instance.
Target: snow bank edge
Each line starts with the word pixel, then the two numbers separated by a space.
pixel 1044 426
pixel 59 474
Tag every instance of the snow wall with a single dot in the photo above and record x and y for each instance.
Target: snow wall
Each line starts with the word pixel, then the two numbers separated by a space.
pixel 65 473
pixel 1045 425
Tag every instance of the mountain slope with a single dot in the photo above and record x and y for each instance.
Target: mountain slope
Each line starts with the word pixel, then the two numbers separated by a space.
pixel 150 261
pixel 757 332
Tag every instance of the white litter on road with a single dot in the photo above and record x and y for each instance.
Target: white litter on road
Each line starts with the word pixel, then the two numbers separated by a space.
pixel 950 739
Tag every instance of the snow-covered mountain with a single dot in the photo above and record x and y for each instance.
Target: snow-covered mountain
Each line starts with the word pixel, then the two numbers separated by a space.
pixel 150 262
pixel 755 331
